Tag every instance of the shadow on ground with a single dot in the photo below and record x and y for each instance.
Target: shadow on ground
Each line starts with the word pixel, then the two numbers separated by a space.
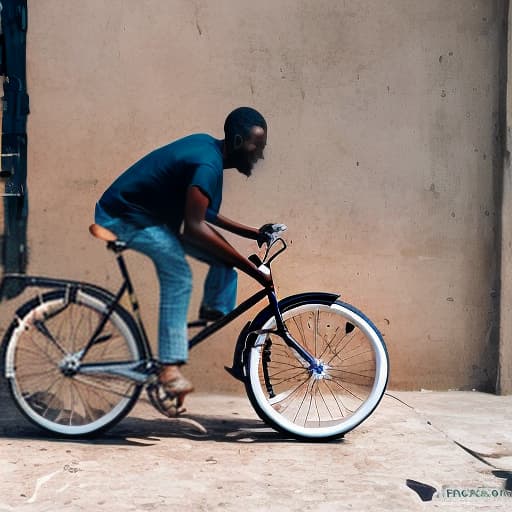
pixel 141 429
pixel 136 431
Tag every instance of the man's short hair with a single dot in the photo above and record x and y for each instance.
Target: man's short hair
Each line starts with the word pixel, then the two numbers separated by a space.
pixel 238 124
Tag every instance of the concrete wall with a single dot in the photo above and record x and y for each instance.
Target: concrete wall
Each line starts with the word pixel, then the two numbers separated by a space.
pixel 382 154
pixel 505 355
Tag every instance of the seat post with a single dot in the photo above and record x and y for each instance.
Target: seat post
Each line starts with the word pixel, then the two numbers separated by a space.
pixel 124 271
pixel 134 302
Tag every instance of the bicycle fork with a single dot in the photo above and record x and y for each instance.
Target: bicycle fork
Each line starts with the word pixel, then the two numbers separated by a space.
pixel 315 365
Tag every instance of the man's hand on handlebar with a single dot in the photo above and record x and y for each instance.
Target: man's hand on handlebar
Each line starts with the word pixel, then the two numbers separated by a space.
pixel 265 279
pixel 268 233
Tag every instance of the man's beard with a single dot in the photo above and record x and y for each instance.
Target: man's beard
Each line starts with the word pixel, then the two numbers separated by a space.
pixel 242 163
pixel 245 172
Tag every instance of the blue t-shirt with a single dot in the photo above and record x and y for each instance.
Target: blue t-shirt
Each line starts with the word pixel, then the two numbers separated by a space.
pixel 153 190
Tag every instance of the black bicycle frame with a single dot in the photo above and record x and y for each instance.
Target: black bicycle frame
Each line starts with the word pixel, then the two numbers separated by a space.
pixel 209 329
pixel 218 324
pixel 127 286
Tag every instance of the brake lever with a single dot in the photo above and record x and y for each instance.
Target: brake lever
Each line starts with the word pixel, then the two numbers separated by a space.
pixel 274 256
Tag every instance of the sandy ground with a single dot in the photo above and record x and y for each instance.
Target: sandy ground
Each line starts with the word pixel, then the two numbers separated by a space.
pixel 222 457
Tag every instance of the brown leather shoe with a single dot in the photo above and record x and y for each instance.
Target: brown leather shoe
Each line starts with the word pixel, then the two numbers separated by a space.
pixel 178 387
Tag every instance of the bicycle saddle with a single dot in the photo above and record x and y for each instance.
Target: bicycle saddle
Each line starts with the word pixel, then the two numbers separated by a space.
pixel 102 233
pixel 107 236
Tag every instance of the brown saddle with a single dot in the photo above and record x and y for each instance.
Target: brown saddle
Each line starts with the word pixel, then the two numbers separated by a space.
pixel 102 233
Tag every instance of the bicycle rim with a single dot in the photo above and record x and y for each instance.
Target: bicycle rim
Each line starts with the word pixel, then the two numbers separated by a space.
pixel 319 404
pixel 70 405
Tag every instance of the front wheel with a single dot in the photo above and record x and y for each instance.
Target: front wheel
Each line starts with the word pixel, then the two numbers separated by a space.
pixel 335 397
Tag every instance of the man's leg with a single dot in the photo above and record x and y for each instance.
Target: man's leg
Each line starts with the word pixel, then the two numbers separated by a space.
pixel 175 279
pixel 220 286
pixel 166 252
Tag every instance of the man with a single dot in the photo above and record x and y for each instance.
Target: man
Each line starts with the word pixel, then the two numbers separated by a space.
pixel 166 204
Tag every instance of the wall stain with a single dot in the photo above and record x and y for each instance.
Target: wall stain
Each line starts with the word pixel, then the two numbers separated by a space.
pixel 198 26
pixel 435 193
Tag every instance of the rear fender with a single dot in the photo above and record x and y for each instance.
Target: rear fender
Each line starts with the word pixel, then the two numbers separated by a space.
pixel 25 281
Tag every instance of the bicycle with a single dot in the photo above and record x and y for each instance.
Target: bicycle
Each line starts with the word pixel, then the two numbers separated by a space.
pixel 76 360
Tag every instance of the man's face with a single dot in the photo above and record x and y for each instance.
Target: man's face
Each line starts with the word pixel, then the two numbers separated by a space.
pixel 250 151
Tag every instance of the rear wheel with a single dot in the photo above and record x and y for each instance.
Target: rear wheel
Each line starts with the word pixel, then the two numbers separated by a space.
pixel 41 347
pixel 336 396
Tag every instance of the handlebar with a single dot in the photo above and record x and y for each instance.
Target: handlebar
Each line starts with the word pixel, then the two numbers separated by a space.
pixel 276 254
pixel 266 262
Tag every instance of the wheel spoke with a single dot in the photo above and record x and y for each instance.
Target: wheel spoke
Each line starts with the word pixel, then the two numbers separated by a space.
pixel 352 374
pixel 326 406
pixel 357 355
pixel 73 337
pixel 72 396
pixel 310 402
pixel 301 404
pixel 89 381
pixel 52 398
pixel 42 328
pixel 288 395
pixel 335 382
pixel 300 328
pixel 43 351
pixel 341 349
pixel 339 401
pixel 328 344
pixel 35 375
pixel 293 366
pixel 288 379
pixel 85 404
pixel 334 397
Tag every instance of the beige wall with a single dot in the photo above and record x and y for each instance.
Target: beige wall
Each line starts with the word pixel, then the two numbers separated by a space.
pixel 382 153
pixel 505 356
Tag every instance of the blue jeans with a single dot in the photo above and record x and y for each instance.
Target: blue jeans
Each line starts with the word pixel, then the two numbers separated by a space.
pixel 166 251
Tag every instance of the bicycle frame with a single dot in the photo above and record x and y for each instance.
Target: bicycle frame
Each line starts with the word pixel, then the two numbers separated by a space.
pixel 133 370
pixel 218 324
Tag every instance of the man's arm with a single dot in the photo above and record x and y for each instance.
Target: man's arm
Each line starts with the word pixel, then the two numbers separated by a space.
pixel 199 233
pixel 267 234
pixel 235 227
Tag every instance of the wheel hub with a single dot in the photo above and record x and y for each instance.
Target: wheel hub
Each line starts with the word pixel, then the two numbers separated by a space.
pixel 69 365
pixel 320 370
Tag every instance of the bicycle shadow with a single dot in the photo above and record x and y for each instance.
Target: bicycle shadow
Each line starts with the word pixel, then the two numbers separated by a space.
pixel 197 427
pixel 148 431
pixel 142 432
pixel 145 427
pixel 11 420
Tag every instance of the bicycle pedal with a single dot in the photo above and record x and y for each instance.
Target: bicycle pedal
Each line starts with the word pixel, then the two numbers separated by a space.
pixel 162 402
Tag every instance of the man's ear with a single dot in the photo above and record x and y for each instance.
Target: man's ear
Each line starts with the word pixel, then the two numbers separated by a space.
pixel 238 141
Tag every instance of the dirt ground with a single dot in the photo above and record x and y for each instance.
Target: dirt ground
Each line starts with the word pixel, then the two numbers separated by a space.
pixel 220 456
